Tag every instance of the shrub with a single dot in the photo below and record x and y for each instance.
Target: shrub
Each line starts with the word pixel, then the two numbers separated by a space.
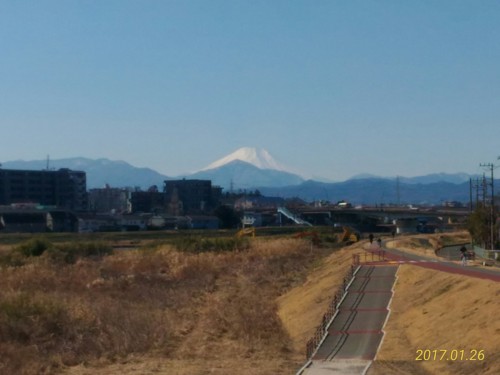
pixel 34 247
pixel 29 319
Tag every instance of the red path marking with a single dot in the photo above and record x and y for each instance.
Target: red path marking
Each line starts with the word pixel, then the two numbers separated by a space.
pixel 443 267
pixel 465 271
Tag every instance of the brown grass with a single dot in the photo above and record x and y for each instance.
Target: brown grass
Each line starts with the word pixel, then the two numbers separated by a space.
pixel 428 244
pixel 302 308
pixel 170 307
pixel 437 310
pixel 250 312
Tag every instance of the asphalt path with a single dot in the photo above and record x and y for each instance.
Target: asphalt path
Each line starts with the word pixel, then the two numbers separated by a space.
pixel 453 252
pixel 356 332
pixel 442 265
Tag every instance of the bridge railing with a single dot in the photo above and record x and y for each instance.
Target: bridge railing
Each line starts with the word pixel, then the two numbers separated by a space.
pixel 322 330
pixel 295 218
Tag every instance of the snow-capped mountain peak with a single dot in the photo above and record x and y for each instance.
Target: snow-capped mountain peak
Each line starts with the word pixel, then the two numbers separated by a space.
pixel 258 157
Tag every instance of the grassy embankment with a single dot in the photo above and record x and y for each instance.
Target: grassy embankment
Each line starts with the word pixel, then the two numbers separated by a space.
pixel 195 306
pixel 434 310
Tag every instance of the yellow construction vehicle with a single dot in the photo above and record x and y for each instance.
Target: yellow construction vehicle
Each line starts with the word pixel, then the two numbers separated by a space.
pixel 349 235
pixel 246 232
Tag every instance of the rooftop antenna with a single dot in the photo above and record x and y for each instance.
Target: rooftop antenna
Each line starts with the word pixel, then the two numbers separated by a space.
pixel 48 161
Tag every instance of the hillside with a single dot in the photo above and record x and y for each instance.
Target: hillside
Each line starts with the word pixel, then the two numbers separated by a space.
pixel 169 308
pixel 374 191
pixel 430 310
pixel 100 172
pixel 181 305
pixel 441 311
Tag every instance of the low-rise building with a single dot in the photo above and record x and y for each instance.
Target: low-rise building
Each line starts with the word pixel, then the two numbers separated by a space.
pixel 36 219
pixel 110 200
pixel 251 219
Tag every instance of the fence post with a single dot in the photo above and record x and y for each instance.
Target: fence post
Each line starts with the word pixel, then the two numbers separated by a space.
pixel 313 343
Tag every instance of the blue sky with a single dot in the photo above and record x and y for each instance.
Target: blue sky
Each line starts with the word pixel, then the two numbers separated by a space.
pixel 332 88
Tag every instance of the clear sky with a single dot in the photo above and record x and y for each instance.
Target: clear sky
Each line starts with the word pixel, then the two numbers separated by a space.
pixel 332 88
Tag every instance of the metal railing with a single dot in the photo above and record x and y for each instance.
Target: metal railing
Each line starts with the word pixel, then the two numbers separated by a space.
pixel 368 256
pixel 322 330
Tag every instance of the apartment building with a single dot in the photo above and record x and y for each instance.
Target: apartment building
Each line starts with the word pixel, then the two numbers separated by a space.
pixel 63 188
pixel 191 196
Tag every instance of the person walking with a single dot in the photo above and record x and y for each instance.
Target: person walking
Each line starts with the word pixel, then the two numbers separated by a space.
pixel 463 257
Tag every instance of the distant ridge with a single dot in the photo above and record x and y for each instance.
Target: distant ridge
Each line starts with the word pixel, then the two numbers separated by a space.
pixel 250 174
pixel 100 172
pixel 454 178
pixel 374 191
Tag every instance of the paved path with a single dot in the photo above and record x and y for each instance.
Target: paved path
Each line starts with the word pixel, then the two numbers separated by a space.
pixel 398 256
pixel 356 332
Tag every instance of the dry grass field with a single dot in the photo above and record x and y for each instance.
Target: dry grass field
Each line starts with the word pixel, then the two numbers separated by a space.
pixel 220 307
pixel 154 310
pixel 440 311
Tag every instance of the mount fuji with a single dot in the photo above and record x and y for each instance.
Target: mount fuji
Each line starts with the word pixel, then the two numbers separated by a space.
pixel 248 168
pixel 258 157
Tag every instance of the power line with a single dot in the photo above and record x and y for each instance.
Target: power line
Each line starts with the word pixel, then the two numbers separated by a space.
pixel 491 167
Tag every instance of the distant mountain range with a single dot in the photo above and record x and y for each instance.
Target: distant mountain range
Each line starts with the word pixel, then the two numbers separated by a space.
pixel 99 171
pixel 250 168
pixel 375 191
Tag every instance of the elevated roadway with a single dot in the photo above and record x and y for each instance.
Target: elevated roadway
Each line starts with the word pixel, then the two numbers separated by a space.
pixel 380 216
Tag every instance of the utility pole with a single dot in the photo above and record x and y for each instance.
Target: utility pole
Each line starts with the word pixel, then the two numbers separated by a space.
pixel 477 186
pixel 398 191
pixel 484 190
pixel 491 167
pixel 470 194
